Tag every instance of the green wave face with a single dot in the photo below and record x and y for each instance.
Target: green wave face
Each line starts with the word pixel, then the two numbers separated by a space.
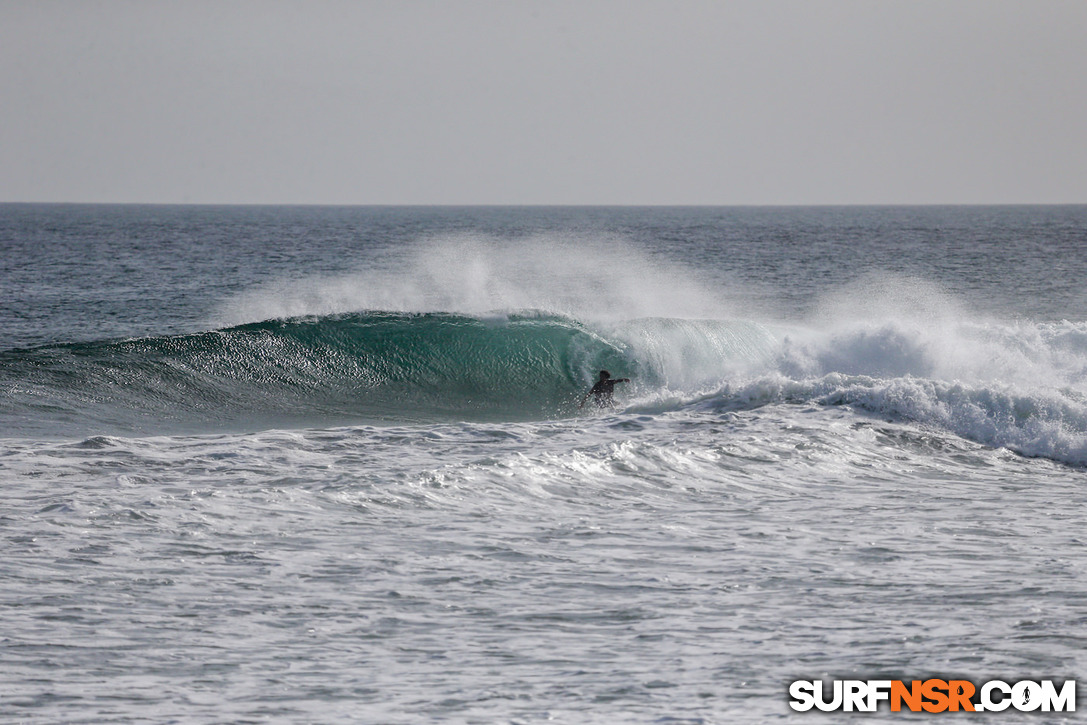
pixel 358 368
pixel 422 366
pixel 350 368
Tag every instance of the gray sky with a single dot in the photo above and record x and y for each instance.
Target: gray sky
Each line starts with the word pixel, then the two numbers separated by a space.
pixel 520 102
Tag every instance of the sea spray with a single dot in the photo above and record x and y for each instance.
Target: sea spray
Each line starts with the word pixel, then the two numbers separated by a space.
pixel 588 278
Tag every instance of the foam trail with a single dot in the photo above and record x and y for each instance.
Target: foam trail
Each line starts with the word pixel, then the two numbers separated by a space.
pixel 1043 423
pixel 914 353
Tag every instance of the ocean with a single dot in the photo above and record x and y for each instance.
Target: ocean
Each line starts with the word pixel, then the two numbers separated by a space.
pixel 329 464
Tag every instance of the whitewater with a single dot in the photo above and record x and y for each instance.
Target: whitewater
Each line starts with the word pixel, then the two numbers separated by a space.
pixel 304 464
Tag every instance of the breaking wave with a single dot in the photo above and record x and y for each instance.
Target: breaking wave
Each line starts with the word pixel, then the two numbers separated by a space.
pixel 1019 386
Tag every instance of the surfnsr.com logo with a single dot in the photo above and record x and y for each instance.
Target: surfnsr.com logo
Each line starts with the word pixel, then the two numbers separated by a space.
pixel 933 696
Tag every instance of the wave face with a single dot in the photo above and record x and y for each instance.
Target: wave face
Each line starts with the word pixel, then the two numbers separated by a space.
pixel 357 367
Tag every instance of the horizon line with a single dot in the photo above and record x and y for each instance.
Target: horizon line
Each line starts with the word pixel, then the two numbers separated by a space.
pixel 542 205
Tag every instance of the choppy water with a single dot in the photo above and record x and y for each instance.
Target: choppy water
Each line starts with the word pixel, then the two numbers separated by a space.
pixel 328 465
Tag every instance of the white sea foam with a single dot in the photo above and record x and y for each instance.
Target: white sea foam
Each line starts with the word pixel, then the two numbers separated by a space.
pixel 1039 422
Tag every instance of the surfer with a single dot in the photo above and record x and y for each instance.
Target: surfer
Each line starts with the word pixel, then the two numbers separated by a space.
pixel 603 389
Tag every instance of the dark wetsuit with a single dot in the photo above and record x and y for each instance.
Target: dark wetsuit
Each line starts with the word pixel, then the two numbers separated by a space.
pixel 602 392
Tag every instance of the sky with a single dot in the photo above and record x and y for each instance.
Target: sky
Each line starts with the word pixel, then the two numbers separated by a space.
pixel 523 102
